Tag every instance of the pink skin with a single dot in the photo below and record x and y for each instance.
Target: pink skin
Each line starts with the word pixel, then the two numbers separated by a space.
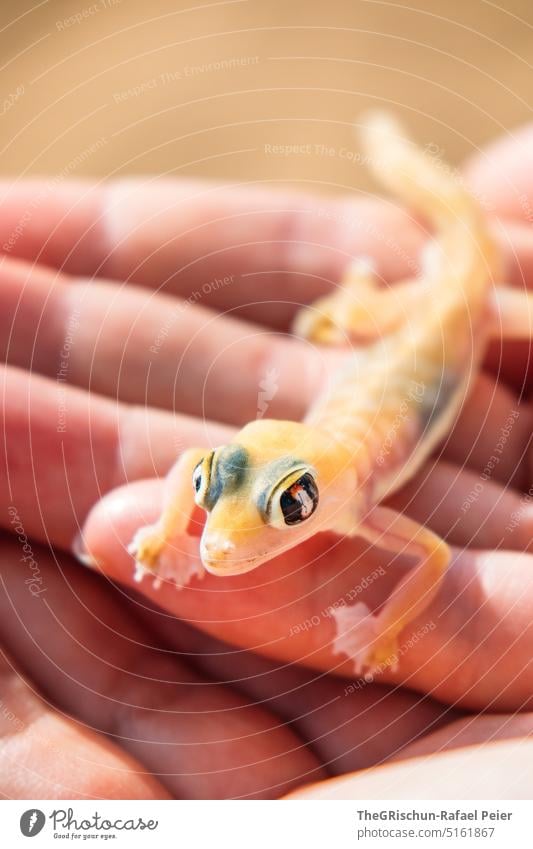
pixel 92 636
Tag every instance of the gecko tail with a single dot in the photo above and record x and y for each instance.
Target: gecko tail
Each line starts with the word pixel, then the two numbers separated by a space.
pixel 421 179
pixel 417 176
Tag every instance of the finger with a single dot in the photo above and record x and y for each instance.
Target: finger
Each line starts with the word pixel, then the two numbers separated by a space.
pixel 173 354
pixel 469 731
pixel 229 247
pixel 516 242
pixel 347 729
pixel 492 434
pixel 146 348
pixel 63 448
pixel 509 362
pixel 90 657
pixel 496 771
pixel 184 357
pixel 501 175
pixel 508 356
pixel 514 314
pixel 251 249
pixel 466 508
pixel 45 756
pixel 478 625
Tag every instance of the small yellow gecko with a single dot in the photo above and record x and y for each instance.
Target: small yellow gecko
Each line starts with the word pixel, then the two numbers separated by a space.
pixel 280 482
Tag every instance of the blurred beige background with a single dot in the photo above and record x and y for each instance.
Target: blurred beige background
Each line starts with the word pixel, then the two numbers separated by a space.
pixel 249 89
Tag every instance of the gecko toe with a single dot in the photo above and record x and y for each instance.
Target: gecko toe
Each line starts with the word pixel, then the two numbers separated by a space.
pixel 355 633
pixel 359 637
pixel 177 560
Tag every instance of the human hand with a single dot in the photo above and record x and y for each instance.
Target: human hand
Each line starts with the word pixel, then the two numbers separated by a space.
pixel 69 449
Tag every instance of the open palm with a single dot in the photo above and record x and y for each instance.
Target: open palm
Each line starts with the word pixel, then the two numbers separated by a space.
pixel 166 305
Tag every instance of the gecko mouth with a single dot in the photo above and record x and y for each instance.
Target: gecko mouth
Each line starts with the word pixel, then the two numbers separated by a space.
pixel 222 565
pixel 220 556
pixel 237 567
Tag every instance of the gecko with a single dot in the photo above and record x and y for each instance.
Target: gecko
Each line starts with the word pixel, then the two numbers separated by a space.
pixel 416 348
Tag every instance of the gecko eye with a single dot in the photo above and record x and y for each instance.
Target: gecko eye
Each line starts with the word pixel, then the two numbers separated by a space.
pixel 201 477
pixel 300 500
pixel 290 505
pixel 197 477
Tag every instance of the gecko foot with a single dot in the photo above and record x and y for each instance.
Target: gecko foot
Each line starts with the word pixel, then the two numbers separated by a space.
pixel 360 637
pixel 165 560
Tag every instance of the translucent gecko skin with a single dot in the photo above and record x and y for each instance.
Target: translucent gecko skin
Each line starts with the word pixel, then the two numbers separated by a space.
pixel 418 346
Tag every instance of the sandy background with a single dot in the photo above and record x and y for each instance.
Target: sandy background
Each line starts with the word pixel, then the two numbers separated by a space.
pixel 227 89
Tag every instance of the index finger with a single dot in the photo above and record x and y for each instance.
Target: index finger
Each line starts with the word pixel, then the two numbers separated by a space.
pixel 226 246
pixel 244 246
pixel 44 755
pixel 472 645
pixel 498 770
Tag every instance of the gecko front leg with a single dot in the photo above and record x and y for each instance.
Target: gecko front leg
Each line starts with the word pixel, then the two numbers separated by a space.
pixel 164 549
pixel 372 640
pixel 360 310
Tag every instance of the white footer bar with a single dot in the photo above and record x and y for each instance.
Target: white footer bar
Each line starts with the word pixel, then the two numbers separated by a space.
pixel 268 825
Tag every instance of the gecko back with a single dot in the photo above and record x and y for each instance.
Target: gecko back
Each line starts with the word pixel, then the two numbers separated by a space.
pixel 397 397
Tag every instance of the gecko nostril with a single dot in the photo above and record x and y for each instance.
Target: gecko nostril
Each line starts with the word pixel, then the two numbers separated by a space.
pixel 218 546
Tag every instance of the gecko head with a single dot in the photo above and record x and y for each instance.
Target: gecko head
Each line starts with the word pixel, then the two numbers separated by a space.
pixel 261 495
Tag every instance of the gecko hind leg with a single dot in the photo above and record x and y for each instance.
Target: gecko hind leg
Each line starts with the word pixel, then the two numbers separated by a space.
pixel 372 640
pixel 359 311
pixel 164 549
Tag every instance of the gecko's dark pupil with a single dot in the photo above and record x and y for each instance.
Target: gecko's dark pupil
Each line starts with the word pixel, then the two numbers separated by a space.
pixel 197 478
pixel 299 500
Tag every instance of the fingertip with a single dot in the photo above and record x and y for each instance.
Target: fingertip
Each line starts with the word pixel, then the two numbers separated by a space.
pixel 79 549
pixel 110 526
pixel 500 174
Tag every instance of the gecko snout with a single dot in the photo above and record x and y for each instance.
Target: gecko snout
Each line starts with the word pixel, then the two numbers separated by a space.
pixel 215 549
